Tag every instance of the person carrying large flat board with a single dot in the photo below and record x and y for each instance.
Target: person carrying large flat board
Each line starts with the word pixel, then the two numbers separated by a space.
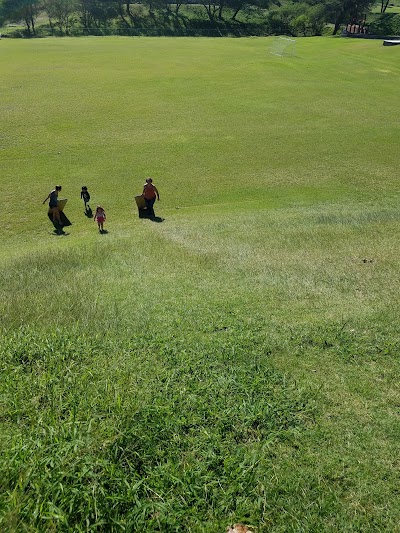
pixel 53 204
pixel 150 193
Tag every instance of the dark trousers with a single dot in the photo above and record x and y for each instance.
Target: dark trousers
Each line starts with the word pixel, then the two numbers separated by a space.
pixel 149 205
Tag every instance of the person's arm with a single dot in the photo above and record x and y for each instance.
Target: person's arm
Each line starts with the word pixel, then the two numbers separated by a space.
pixel 47 197
pixel 158 196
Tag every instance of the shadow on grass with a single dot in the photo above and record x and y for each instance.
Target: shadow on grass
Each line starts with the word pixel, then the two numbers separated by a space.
pixel 145 213
pixel 59 232
pixel 59 228
pixel 88 212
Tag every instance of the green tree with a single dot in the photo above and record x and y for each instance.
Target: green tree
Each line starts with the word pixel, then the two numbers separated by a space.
pixel 345 10
pixel 97 13
pixel 26 10
pixel 288 20
pixel 61 11
pixel 211 8
pixel 384 5
pixel 339 12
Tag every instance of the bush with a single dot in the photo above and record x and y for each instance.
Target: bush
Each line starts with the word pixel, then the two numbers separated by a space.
pixel 385 24
pixel 396 25
pixel 296 19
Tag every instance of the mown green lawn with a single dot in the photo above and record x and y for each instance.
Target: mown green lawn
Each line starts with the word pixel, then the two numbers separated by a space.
pixel 238 360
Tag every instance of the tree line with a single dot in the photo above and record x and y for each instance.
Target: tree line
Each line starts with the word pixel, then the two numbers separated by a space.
pixel 294 17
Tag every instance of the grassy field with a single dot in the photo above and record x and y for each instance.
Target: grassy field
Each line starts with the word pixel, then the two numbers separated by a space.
pixel 236 360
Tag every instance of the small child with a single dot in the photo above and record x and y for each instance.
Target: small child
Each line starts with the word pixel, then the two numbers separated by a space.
pixel 85 195
pixel 100 216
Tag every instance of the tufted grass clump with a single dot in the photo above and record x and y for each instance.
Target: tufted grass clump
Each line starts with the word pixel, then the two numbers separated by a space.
pixel 155 436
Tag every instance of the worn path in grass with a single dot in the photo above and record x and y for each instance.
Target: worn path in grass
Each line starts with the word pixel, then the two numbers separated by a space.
pixel 237 360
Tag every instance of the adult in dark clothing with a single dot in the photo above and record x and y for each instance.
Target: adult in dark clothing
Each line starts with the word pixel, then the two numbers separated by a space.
pixel 53 203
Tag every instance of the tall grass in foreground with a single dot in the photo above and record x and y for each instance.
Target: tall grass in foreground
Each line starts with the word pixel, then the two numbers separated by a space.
pixel 222 383
pixel 237 361
pixel 156 436
pixel 165 435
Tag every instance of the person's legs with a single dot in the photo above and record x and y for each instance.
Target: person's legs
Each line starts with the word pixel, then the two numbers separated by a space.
pixel 56 215
pixel 149 205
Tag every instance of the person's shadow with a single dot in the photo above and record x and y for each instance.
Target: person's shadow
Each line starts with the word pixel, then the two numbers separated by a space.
pixel 88 211
pixel 156 219
pixel 58 232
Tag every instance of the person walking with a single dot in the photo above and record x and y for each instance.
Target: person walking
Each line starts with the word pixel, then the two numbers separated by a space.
pixel 53 204
pixel 85 196
pixel 150 193
pixel 100 216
